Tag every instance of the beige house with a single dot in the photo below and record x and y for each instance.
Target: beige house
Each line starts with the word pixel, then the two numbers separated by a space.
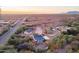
pixel 39 30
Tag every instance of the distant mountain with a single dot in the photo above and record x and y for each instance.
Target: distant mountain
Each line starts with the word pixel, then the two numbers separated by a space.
pixel 72 12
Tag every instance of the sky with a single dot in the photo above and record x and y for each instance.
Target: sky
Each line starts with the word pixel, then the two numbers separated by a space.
pixel 37 6
pixel 39 2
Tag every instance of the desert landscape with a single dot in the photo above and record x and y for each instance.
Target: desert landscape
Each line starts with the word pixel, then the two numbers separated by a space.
pixel 39 33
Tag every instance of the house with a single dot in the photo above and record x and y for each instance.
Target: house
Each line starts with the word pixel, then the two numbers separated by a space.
pixel 36 34
pixel 62 28
pixel 28 31
pixel 39 31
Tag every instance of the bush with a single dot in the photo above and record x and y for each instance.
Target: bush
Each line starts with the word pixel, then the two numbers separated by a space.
pixel 23 28
pixel 13 41
pixel 68 49
pixel 7 49
pixel 75 45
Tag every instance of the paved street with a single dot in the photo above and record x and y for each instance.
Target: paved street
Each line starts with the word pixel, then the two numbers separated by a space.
pixel 11 31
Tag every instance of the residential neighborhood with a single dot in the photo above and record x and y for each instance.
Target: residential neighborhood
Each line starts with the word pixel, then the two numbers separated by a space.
pixel 39 31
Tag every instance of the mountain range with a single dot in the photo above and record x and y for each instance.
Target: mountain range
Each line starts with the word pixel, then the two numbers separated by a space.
pixel 72 12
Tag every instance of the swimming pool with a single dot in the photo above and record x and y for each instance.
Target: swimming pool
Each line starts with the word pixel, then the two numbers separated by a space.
pixel 39 38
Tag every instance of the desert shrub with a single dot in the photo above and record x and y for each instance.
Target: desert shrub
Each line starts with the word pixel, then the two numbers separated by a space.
pixel 19 31
pixel 11 51
pixel 7 49
pixel 13 41
pixel 4 31
pixel 68 49
pixel 23 46
pixel 22 29
pixel 60 42
pixel 76 37
pixel 41 48
pixel 75 45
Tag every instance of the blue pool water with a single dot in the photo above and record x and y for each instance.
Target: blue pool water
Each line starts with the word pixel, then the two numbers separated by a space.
pixel 39 38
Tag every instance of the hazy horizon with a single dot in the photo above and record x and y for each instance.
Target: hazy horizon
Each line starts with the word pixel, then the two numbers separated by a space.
pixel 38 9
